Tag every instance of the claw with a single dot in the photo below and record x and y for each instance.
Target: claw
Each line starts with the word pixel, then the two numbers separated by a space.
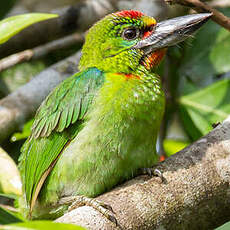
pixel 147 171
pixel 106 206
pixel 78 201
pixel 113 219
pixel 154 172
pixel 158 173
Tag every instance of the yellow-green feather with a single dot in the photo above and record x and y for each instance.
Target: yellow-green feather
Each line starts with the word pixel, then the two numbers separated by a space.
pixel 68 103
pixel 118 138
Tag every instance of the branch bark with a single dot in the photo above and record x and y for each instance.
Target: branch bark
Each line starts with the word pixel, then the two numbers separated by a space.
pixel 77 17
pixel 19 106
pixel 201 7
pixel 220 3
pixel 196 195
pixel 40 51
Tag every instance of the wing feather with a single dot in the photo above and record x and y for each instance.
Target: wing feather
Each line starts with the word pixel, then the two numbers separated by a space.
pixel 56 123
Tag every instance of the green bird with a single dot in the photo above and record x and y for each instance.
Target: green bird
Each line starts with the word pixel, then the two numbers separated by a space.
pixel 99 126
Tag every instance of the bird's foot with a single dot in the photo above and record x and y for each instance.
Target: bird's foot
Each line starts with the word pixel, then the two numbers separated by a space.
pixel 153 172
pixel 78 201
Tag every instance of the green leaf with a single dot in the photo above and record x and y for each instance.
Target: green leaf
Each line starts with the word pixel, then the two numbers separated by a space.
pixel 25 132
pixel 10 196
pixel 206 61
pixel 13 25
pixel 41 225
pixel 205 107
pixel 225 226
pixel 206 57
pixel 173 146
pixel 7 218
pixel 10 182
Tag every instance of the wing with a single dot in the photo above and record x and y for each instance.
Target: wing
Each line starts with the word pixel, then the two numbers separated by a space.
pixel 56 122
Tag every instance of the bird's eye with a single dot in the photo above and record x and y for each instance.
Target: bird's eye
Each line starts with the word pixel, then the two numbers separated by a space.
pixel 130 33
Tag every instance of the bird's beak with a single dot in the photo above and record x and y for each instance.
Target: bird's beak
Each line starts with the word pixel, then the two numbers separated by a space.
pixel 172 31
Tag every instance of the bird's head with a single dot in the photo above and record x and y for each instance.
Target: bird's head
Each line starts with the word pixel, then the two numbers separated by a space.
pixel 124 41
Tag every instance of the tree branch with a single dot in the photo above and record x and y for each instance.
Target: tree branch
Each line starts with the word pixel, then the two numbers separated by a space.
pixel 77 17
pixel 40 51
pixel 19 106
pixel 196 195
pixel 220 3
pixel 201 7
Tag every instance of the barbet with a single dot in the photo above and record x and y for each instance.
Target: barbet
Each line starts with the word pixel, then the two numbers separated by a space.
pixel 99 126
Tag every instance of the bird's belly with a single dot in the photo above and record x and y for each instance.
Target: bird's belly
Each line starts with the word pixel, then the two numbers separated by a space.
pixel 117 139
pixel 102 156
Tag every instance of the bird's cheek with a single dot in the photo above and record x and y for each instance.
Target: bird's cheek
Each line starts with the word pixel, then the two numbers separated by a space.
pixel 114 47
pixel 110 51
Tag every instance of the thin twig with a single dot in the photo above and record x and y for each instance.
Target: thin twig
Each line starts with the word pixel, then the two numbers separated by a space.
pixel 76 18
pixel 220 3
pixel 19 106
pixel 40 51
pixel 201 7
pixel 9 208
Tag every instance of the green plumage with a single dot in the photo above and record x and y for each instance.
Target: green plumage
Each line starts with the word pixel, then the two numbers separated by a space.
pixel 66 105
pixel 97 127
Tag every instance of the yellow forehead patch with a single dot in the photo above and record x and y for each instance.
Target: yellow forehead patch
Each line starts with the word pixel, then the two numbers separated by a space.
pixel 149 20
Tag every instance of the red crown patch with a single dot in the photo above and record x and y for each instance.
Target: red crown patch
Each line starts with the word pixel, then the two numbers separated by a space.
pixel 130 13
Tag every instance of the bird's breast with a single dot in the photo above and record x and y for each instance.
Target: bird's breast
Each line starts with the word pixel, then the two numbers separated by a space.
pixel 118 137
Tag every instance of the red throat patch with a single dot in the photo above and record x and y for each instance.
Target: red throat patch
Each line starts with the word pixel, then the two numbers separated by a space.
pixel 154 58
pixel 130 14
